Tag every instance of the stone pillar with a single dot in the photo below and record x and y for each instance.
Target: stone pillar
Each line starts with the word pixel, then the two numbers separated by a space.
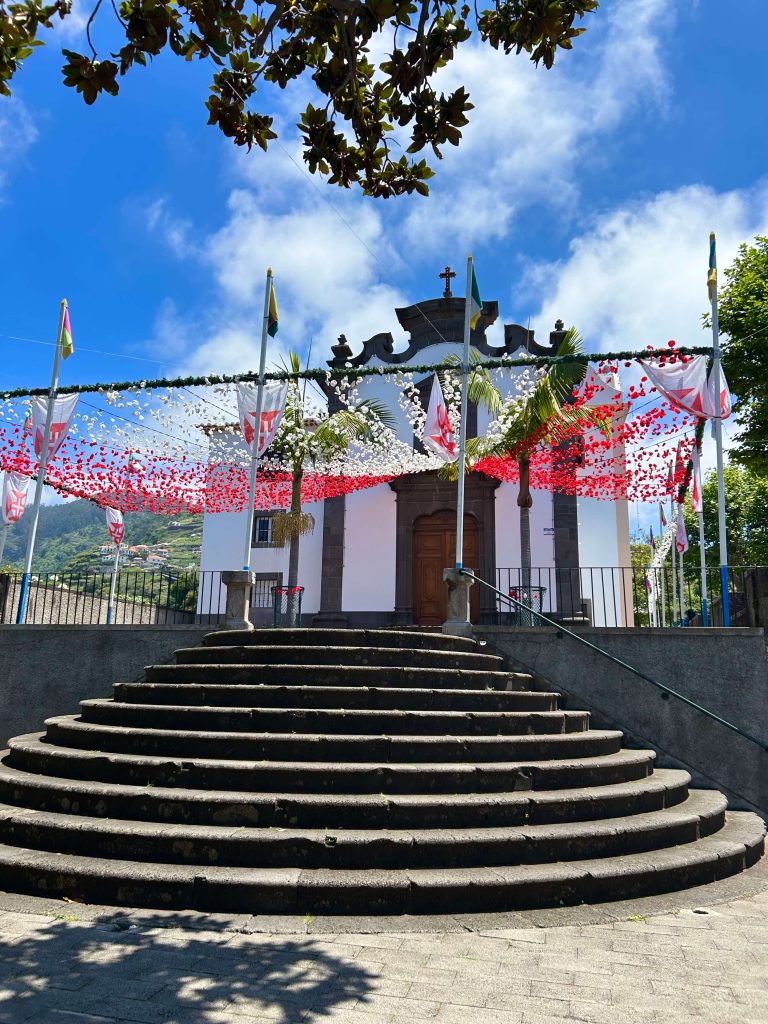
pixel 330 615
pixel 457 623
pixel 567 572
pixel 238 583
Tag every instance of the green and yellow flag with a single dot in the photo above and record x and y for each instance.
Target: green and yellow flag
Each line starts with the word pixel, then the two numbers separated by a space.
pixel 712 273
pixel 272 317
pixel 475 302
pixel 67 346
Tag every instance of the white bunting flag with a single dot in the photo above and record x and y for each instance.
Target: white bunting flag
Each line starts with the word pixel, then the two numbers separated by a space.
pixel 697 503
pixel 115 524
pixel 438 435
pixel 15 489
pixel 726 406
pixel 63 411
pixel 683 384
pixel 595 391
pixel 681 534
pixel 272 411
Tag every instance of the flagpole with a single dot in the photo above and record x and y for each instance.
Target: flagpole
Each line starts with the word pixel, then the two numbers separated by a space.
pixel 702 551
pixel 673 522
pixel 663 574
pixel 40 482
pixel 718 421
pixel 463 422
pixel 682 582
pixel 113 580
pixel 257 427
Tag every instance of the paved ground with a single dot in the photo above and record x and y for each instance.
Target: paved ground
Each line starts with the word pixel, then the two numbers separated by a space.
pixel 701 956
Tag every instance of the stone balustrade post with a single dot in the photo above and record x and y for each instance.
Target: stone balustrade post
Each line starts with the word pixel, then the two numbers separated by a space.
pixel 457 623
pixel 238 583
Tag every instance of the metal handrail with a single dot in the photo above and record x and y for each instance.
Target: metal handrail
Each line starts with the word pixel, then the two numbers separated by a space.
pixel 617 661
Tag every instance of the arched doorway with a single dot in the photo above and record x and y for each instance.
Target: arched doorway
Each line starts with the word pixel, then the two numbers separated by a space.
pixel 434 549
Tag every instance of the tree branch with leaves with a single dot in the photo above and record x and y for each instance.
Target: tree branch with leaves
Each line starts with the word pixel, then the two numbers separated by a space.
pixel 365 109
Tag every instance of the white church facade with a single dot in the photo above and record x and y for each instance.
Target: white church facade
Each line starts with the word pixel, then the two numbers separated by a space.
pixel 376 556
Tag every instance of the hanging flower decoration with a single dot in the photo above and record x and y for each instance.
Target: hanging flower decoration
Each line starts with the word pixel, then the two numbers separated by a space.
pixel 172 449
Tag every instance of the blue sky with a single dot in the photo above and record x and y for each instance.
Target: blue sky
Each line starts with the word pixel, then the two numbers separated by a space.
pixel 585 193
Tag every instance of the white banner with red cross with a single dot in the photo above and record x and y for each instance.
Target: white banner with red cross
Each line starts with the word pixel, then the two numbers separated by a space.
pixel 63 411
pixel 115 524
pixel 438 434
pixel 15 490
pixel 272 411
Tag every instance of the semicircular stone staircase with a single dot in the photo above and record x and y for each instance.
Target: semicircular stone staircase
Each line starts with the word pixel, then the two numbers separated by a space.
pixel 349 771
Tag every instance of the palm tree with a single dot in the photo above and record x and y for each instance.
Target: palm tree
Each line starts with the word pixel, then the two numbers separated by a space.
pixel 302 443
pixel 544 417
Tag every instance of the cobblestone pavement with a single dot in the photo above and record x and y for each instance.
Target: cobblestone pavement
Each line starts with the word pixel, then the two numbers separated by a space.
pixel 663 959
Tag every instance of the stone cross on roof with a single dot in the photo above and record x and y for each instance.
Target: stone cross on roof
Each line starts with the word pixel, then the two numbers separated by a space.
pixel 446 275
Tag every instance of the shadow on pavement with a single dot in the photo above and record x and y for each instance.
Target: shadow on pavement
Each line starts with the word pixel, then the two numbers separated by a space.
pixel 59 969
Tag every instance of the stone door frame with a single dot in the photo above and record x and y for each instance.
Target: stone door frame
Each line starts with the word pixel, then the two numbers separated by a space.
pixel 423 494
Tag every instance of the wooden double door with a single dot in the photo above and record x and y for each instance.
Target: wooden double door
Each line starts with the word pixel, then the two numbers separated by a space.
pixel 434 549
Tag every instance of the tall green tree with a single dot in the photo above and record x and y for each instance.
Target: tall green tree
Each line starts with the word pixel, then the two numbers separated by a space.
pixel 301 442
pixel 746 518
pixel 744 321
pixel 367 110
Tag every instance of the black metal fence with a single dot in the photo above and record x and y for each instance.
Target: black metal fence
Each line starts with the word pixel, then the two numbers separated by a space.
pixel 632 595
pixel 139 598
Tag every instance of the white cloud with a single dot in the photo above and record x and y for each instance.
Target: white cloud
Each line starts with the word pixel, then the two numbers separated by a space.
pixel 532 129
pixel 637 276
pixel 17 134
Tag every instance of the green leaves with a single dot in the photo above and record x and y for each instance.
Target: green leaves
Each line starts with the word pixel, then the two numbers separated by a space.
pixel 370 121
pixel 744 320
pixel 90 77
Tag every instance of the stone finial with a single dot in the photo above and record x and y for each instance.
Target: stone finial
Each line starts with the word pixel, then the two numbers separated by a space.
pixel 559 325
pixel 341 350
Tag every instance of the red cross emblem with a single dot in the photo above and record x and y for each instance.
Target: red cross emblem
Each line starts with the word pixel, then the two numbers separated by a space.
pixel 15 503
pixel 445 438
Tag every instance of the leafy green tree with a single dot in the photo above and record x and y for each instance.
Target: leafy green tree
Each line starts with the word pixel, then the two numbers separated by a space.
pixel 746 518
pixel 744 319
pixel 348 134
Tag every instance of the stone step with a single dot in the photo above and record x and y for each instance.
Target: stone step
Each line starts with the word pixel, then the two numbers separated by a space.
pixel 30 753
pixel 68 730
pixel 365 657
pixel 666 787
pixel 330 721
pixel 335 675
pixel 304 637
pixel 352 849
pixel 471 809
pixel 367 891
pixel 345 698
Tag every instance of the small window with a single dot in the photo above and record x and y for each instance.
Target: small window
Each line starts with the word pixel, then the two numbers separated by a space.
pixel 263 530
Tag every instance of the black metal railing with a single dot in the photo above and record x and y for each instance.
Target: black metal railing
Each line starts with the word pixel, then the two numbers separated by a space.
pixel 159 597
pixel 666 691
pixel 632 595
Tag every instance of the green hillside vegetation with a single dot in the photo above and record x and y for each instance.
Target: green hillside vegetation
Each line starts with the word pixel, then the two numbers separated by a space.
pixel 69 537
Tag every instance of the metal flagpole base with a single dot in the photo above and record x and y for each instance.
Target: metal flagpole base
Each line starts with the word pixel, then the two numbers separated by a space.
pixel 457 623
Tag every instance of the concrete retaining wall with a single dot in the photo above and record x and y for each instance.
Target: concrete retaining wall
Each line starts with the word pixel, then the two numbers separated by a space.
pixel 723 670
pixel 48 670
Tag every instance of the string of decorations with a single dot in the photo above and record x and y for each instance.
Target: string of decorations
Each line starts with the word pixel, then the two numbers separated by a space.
pixel 168 449
pixel 322 376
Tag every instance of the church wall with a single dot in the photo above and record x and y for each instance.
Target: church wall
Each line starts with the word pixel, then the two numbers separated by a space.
pixel 599 550
pixel 369 551
pixel 542 541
